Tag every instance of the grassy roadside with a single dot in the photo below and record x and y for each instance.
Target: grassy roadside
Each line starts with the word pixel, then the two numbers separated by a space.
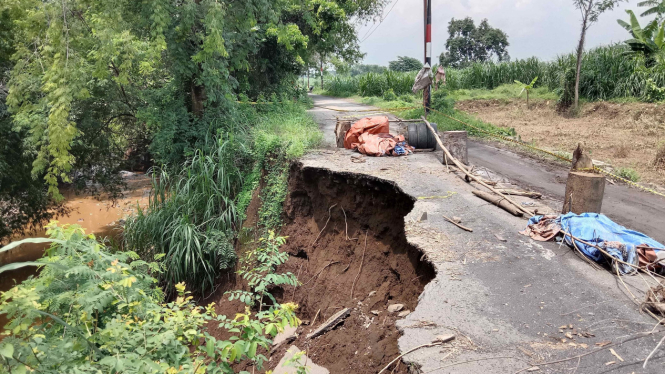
pixel 444 122
pixel 279 138
pixel 197 208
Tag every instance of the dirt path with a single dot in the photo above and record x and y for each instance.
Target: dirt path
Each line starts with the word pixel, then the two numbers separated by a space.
pixel 504 296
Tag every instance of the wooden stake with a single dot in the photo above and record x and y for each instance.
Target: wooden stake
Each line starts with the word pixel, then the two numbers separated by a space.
pixel 457 224
pixel 463 169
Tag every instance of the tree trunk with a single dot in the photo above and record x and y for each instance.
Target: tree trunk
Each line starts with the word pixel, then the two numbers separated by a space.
pixel 580 51
pixel 584 192
pixel 321 72
pixel 198 98
pixel 308 78
pixel 527 99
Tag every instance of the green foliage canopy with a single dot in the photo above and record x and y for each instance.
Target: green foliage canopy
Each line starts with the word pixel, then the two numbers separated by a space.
pixel 90 310
pixel 95 82
pixel 648 42
pixel 405 64
pixel 467 43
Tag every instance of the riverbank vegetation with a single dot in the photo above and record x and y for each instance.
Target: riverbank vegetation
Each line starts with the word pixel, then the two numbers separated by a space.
pixel 201 95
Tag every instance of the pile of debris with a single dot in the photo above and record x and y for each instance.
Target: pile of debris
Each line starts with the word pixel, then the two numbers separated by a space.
pixel 601 240
pixel 371 136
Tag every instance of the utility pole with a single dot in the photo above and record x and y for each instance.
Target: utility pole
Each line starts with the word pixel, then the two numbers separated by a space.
pixel 427 92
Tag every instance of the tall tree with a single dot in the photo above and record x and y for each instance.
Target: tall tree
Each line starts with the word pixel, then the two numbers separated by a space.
pixel 93 79
pixel 590 10
pixel 24 203
pixel 467 43
pixel 405 63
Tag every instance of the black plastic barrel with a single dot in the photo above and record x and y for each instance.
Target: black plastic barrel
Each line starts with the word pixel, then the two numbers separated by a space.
pixel 420 136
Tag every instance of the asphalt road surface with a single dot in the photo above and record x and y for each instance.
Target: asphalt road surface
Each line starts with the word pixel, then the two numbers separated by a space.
pixel 507 298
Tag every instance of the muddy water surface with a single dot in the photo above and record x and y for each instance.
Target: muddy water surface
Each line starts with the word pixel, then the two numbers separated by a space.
pixel 101 217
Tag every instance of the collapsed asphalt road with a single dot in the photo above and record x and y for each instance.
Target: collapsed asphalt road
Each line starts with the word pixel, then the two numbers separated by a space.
pixel 510 301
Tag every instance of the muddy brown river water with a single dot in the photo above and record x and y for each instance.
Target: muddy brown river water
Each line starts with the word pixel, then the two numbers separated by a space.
pixel 98 216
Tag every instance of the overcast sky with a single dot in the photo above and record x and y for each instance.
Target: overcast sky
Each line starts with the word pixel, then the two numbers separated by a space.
pixel 541 28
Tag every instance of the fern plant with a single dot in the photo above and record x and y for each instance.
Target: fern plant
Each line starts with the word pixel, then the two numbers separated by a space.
pixel 259 269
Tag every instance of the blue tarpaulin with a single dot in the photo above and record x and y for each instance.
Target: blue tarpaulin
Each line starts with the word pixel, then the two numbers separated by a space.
pixel 601 231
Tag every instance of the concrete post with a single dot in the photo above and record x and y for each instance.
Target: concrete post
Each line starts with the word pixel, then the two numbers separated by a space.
pixel 455 142
pixel 584 192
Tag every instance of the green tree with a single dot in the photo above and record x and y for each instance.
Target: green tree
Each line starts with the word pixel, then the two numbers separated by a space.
pixel 23 200
pixel 591 10
pixel 404 64
pixel 648 42
pixel 467 43
pixel 95 82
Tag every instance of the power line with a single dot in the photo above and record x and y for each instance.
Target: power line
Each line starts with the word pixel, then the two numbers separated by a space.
pixel 380 22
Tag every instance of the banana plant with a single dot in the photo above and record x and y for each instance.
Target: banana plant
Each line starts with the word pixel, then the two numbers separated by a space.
pixel 656 7
pixel 648 41
pixel 527 88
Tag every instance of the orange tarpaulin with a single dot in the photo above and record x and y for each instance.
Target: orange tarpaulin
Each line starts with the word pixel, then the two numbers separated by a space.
pixel 369 125
pixel 376 145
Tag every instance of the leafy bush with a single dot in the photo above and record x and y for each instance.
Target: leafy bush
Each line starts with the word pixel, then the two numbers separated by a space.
pixel 190 218
pixel 259 270
pixel 407 98
pixel 653 92
pixel 389 95
pixel 628 173
pixel 566 90
pixel 93 311
pixel 442 102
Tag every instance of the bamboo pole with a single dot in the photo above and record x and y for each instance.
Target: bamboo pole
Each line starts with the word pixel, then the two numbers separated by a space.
pixel 463 169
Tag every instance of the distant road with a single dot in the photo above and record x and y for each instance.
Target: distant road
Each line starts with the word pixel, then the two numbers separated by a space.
pixel 633 208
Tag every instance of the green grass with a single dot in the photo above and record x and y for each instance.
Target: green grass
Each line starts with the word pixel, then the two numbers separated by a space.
pixel 196 208
pixel 628 173
pixel 503 92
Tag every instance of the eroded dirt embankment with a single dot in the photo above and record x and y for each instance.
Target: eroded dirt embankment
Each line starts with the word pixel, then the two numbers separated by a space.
pixel 337 223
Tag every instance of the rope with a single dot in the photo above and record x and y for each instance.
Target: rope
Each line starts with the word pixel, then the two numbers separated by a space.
pixel 596 168
pixel 369 110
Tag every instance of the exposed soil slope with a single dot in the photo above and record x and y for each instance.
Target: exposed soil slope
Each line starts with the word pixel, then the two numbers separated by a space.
pixel 392 270
pixel 328 264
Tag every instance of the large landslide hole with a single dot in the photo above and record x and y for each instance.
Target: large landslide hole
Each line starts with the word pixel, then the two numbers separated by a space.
pixel 392 272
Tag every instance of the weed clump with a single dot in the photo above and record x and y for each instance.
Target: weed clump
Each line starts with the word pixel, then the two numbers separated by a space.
pixel 389 95
pixel 659 161
pixel 628 173
pixel 622 151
